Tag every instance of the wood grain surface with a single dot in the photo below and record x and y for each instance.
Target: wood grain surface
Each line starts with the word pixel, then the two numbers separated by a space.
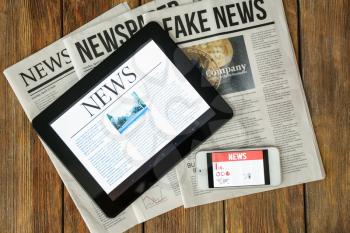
pixel 33 199
pixel 325 56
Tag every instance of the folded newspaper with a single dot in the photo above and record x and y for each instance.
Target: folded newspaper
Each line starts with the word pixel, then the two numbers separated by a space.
pixel 244 50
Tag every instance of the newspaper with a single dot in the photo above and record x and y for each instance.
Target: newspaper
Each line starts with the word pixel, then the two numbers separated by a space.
pixel 88 48
pixel 244 49
pixel 40 79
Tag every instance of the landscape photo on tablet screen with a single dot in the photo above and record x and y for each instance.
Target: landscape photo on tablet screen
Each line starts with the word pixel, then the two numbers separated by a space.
pixel 125 116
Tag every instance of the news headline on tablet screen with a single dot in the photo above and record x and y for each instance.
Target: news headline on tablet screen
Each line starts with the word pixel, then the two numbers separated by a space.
pixel 129 116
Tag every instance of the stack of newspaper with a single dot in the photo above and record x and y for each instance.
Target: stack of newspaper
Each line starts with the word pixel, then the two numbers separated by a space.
pixel 245 50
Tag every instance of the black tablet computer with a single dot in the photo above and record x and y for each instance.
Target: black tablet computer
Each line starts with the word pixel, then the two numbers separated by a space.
pixel 131 119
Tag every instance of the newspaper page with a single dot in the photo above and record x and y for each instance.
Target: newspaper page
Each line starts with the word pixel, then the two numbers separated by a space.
pixel 43 76
pixel 245 51
pixel 88 48
pixel 40 79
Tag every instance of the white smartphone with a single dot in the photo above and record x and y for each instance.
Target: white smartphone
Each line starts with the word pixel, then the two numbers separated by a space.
pixel 238 168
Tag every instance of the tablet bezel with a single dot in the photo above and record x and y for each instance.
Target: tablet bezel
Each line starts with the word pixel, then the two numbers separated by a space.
pixel 161 162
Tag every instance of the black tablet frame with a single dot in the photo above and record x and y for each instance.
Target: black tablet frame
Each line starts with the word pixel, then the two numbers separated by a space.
pixel 162 161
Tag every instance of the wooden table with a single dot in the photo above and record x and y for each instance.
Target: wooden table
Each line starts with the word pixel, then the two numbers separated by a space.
pixel 33 198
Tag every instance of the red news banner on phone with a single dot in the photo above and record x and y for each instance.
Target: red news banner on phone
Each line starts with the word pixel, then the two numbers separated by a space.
pixel 238 168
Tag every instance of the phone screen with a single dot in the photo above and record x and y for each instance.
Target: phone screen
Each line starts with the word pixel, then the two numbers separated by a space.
pixel 238 168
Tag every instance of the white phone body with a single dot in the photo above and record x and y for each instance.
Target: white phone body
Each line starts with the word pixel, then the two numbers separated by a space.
pixel 274 165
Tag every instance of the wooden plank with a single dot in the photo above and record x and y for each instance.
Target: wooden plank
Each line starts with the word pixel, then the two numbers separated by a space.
pixel 75 14
pixel 276 211
pixel 30 188
pixel 205 218
pixel 325 54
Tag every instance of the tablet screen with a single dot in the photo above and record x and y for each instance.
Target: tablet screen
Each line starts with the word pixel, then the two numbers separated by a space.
pixel 129 116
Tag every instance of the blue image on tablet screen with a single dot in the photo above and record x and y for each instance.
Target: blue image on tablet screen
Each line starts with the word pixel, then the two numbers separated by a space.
pixel 126 114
